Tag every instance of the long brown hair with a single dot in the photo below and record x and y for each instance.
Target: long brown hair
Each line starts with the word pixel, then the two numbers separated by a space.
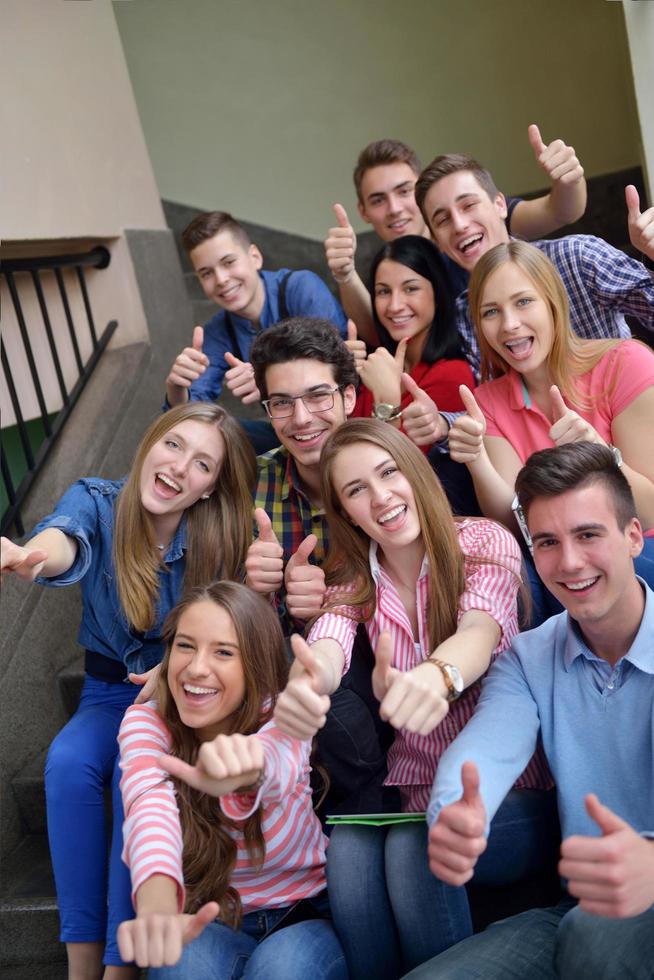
pixel 570 355
pixel 348 561
pixel 219 529
pixel 209 849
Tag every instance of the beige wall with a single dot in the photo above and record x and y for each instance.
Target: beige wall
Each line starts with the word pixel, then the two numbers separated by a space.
pixel 74 166
pixel 639 19
pixel 261 107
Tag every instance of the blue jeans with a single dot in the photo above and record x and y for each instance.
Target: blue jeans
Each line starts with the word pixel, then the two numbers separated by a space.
pixel 298 952
pixel 560 943
pixel 392 914
pixel 82 760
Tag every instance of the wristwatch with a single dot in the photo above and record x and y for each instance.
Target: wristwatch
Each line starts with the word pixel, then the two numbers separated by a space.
pixel 451 676
pixel 386 412
pixel 617 455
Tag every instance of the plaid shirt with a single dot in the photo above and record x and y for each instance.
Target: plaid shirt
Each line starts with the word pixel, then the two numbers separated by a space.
pixel 293 517
pixel 602 283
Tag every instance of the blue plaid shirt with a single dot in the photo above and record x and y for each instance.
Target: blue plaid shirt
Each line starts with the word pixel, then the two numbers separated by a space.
pixel 603 285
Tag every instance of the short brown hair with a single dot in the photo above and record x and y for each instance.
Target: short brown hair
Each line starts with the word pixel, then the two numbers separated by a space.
pixel 551 472
pixel 380 154
pixel 210 223
pixel 452 163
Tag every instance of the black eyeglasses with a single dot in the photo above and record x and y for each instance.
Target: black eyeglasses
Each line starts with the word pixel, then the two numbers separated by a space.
pixel 283 406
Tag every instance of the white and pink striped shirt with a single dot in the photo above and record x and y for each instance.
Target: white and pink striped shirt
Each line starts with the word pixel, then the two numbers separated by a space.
pixel 491 585
pixel 294 862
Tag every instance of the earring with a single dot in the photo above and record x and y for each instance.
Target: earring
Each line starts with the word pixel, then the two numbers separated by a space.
pixel 205 496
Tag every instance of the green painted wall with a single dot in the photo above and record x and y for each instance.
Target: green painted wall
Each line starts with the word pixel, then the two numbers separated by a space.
pixel 261 107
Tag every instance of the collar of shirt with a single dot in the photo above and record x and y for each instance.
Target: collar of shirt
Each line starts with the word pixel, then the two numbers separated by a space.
pixel 177 546
pixel 291 482
pixel 640 653
pixel 380 576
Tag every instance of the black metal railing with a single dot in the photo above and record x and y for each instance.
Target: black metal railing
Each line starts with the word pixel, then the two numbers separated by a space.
pixel 34 458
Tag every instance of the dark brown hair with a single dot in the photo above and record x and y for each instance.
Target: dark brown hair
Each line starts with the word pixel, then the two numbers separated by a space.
pixel 210 223
pixel 443 166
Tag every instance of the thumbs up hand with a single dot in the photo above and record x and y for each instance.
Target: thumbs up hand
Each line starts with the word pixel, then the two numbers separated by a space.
pixel 188 366
pixel 381 373
pixel 640 225
pixel 240 379
pixel 613 874
pixel 356 347
pixel 421 419
pixel 458 837
pixel 558 160
pixel 568 425
pixel 264 563
pixel 301 709
pixel 341 246
pixel 415 700
pixel 305 583
pixel 466 438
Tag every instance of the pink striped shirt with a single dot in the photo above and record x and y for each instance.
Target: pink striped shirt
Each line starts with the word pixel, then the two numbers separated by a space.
pixel 489 587
pixel 294 862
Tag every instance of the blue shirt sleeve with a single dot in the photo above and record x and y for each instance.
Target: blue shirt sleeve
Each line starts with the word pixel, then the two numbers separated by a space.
pixel 76 515
pixel 500 739
pixel 307 295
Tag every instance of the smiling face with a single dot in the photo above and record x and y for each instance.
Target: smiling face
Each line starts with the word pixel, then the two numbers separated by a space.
pixel 303 433
pixel 388 202
pixel 376 496
pixel 404 302
pixel 464 221
pixel 179 469
pixel 205 670
pixel 584 558
pixel 516 320
pixel 229 274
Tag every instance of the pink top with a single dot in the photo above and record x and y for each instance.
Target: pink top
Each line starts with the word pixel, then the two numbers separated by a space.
pixel 294 863
pixel 490 587
pixel 619 377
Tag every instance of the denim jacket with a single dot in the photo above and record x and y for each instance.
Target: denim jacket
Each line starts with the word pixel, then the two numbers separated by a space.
pixel 86 512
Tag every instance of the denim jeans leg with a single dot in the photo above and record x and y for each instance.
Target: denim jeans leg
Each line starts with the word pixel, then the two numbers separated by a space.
pixel 356 880
pixel 218 953
pixel 119 900
pixel 430 916
pixel 519 948
pixel 304 951
pixel 592 947
pixel 524 838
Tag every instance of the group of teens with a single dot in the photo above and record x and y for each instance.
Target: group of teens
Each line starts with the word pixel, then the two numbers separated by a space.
pixel 307 629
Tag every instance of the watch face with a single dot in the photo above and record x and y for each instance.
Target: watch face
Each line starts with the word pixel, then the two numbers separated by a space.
pixel 456 678
pixel 383 412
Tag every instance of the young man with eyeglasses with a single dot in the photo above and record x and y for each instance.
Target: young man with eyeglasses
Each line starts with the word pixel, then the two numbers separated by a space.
pixel 307 379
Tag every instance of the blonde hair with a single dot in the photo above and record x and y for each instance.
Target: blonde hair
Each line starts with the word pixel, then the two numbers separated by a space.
pixel 347 560
pixel 218 530
pixel 209 850
pixel 570 356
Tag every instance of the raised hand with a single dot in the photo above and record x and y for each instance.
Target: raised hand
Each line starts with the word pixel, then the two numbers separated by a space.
pixel 187 368
pixel 613 874
pixel 466 438
pixel 305 583
pixel 264 564
pixel 16 560
pixel 157 939
pixel 640 224
pixel 355 346
pixel 225 764
pixel 301 709
pixel 381 373
pixel 415 700
pixel 240 379
pixel 341 246
pixel 458 837
pixel 421 419
pixel 568 425
pixel 558 160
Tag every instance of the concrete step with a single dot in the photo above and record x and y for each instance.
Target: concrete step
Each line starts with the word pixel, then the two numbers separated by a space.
pixel 70 681
pixel 29 793
pixel 29 922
